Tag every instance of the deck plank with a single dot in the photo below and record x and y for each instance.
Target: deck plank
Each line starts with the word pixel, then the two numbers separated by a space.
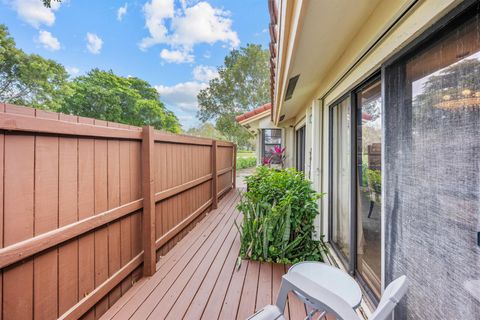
pixel 209 298
pixel 200 279
pixel 131 302
pixel 171 269
pixel 234 293
pixel 249 292
pixel 176 301
pixel 277 273
pixel 264 293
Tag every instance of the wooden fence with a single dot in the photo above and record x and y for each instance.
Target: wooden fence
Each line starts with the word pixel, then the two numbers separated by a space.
pixel 87 206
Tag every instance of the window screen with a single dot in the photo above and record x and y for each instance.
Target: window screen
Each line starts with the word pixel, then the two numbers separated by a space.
pixel 432 174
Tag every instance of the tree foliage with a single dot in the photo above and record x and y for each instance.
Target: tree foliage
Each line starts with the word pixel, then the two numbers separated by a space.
pixel 206 130
pixel 104 95
pixel 242 85
pixel 44 84
pixel 29 79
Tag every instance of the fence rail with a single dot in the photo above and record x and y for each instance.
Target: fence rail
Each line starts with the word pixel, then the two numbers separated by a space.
pixel 88 206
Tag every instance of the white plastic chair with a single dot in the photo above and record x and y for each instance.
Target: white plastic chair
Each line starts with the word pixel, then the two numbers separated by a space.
pixel 323 299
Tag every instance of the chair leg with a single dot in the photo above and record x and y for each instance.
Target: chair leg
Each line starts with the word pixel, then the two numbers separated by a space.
pixel 371 208
pixel 323 316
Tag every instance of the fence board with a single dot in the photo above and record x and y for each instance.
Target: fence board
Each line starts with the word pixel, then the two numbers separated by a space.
pixel 45 275
pixel 101 234
pixel 68 214
pixel 18 223
pixel 2 146
pixel 71 215
pixel 86 208
pixel 125 197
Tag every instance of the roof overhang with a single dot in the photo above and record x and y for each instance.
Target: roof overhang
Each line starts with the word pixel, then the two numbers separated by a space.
pixel 254 118
pixel 314 36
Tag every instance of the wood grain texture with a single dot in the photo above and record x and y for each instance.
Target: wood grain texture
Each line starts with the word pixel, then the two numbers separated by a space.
pixel 148 186
pixel 72 222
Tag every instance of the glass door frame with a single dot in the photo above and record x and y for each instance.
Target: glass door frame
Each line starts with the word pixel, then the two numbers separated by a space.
pixel 300 147
pixel 351 263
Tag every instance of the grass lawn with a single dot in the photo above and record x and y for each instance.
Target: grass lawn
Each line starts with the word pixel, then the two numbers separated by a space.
pixel 245 154
pixel 246 159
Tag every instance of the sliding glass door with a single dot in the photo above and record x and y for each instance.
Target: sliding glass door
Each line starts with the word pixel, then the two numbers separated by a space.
pixel 356 182
pixel 369 184
pixel 340 117
pixel 432 185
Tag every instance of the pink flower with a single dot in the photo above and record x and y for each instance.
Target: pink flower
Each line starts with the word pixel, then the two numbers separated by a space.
pixel 278 149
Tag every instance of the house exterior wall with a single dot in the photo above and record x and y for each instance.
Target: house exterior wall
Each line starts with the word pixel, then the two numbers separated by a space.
pixel 336 83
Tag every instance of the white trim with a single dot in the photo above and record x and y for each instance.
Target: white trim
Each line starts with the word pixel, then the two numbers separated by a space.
pixel 255 117
pixel 325 156
pixel 382 170
pixel 290 45
pixel 300 123
pixel 316 159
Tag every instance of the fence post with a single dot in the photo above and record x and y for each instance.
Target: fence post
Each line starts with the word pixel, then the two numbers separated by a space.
pixel 214 174
pixel 234 167
pixel 148 190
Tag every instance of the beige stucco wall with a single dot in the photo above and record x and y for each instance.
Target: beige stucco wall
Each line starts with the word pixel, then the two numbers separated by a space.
pixel 424 14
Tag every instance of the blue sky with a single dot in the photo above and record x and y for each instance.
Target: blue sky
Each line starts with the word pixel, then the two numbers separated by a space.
pixel 175 45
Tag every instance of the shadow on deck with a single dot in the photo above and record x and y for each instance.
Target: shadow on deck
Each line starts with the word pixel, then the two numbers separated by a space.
pixel 199 278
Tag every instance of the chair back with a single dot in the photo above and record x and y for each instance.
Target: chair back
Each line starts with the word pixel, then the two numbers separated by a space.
pixel 390 298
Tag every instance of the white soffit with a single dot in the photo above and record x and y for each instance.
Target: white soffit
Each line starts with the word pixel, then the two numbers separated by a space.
pixel 327 30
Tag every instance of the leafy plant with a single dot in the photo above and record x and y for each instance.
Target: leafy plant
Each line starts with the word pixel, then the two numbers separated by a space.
pixel 374 178
pixel 277 156
pixel 279 209
pixel 249 162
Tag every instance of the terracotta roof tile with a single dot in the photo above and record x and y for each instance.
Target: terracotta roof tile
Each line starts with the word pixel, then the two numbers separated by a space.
pixel 253 112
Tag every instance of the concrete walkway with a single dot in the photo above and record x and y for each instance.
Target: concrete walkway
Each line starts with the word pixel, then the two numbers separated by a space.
pixel 241 174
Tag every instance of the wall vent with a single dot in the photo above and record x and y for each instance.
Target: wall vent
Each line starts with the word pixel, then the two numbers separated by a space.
pixel 292 83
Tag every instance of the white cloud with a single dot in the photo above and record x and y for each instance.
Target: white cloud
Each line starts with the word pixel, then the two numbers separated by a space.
pixel 34 12
pixel 191 24
pixel 156 12
pixel 121 12
pixel 73 71
pixel 182 95
pixel 204 73
pixel 94 43
pixel 176 56
pixel 48 41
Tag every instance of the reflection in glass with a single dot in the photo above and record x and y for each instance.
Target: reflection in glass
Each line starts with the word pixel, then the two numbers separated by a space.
pixel 341 177
pixel 432 185
pixel 369 185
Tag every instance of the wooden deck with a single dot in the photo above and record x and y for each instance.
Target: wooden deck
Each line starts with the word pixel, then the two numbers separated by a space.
pixel 199 279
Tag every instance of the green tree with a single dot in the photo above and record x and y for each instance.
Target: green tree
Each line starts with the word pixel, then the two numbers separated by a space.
pixel 206 130
pixel 29 79
pixel 242 85
pixel 104 95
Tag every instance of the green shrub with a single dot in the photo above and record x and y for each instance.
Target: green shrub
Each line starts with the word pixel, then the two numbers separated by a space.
pixel 243 163
pixel 279 209
pixel 374 178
